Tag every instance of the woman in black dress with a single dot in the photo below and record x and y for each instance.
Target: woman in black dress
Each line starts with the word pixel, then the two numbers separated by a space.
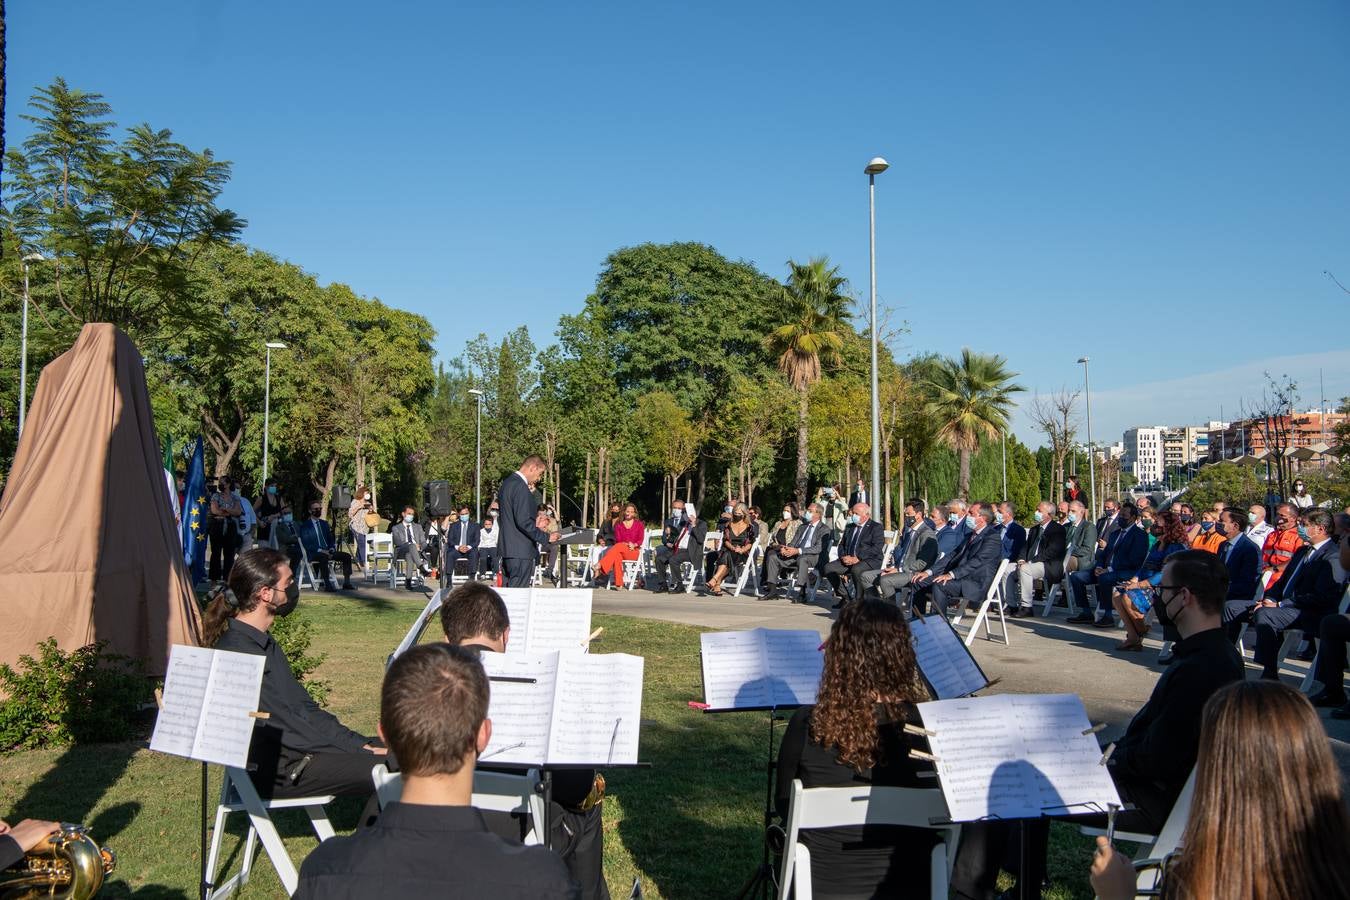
pixel 854 734
pixel 737 539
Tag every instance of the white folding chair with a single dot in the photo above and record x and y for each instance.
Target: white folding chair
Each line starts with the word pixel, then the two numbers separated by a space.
pixel 577 564
pixel 237 794
pixel 640 568
pixel 380 546
pixel 1154 848
pixel 993 600
pixel 838 807
pixel 712 542
pixel 496 791
pixel 750 571
pixel 1052 594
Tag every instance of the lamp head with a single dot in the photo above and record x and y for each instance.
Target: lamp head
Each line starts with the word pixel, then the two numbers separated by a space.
pixel 34 257
pixel 275 345
pixel 476 392
pixel 1083 359
pixel 876 166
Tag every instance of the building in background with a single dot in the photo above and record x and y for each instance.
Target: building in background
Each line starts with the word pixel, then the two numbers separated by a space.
pixel 1144 452
pixel 1313 430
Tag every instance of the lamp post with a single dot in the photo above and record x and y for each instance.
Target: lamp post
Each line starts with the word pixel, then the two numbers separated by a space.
pixel 1092 463
pixel 23 341
pixel 1005 464
pixel 478 457
pixel 267 402
pixel 875 167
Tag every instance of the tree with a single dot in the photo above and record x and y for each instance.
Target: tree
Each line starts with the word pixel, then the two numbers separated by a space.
pixel 669 437
pixel 807 336
pixel 1054 415
pixel 754 423
pixel 1273 418
pixel 1233 483
pixel 970 398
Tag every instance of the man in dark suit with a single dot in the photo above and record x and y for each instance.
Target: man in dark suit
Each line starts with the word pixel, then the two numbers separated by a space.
pixel 1108 524
pixel 1014 533
pixel 1046 545
pixel 974 566
pixel 317 537
pixel 1118 561
pixel 859 494
pixel 1082 537
pixel 681 541
pixel 860 549
pixel 947 530
pixel 915 552
pixel 1242 558
pixel 799 555
pixel 461 542
pixel 518 543
pixel 1305 595
pixel 409 539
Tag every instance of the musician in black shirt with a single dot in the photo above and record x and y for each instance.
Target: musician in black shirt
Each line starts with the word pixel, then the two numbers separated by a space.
pixel 854 735
pixel 432 842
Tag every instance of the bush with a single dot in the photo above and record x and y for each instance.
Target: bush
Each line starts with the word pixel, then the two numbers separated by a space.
pixel 84 696
pixel 293 635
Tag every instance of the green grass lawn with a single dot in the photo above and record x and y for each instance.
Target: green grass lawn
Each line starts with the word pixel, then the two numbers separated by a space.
pixel 689 826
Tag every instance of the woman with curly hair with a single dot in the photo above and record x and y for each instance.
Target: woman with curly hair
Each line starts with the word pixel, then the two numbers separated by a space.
pixel 855 735
pixel 1133 598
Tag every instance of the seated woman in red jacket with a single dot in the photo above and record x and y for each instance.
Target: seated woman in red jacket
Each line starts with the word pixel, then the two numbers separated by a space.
pixel 629 533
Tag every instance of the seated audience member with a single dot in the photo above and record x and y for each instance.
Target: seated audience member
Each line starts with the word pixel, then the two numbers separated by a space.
pixel 487 548
pixel 1046 547
pixel 1082 540
pixel 962 511
pixel 1258 529
pixel 1132 598
pixel 1241 558
pixel 461 542
pixel 317 536
pixel 434 548
pixel 287 538
pixel 1307 593
pixel 475 618
pixel 301 750
pixel 1062 511
pixel 1281 544
pixel 1295 793
pixel 607 527
pixel 1187 516
pixel 861 547
pixel 1121 557
pixel 737 538
pixel 629 535
pixel 1109 523
pixel 1014 534
pixel 680 543
pixel 854 734
pixel 967 579
pixel 1331 657
pixel 915 552
pixel 408 540
pixel 798 555
pixel 785 527
pixel 1155 756
pixel 1340 524
pixel 1208 536
pixel 433 842
pixel 947 530
pixel 757 523
pixel 550 552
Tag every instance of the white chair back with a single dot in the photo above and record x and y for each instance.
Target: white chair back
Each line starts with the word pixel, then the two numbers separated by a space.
pixel 496 791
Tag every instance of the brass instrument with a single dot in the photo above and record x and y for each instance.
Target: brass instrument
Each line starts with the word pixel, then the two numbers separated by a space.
pixel 69 865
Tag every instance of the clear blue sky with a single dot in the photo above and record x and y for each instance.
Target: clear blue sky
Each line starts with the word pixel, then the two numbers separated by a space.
pixel 1159 185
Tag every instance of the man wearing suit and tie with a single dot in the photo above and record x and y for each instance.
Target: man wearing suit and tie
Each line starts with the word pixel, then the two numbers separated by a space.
pixel 317 537
pixel 1109 524
pixel 409 539
pixel 859 494
pixel 974 565
pixel 1307 593
pixel 461 542
pixel 1047 542
pixel 799 554
pixel 1118 561
pixel 1242 558
pixel 914 552
pixel 518 543
pixel 1082 537
pixel 681 542
pixel 860 549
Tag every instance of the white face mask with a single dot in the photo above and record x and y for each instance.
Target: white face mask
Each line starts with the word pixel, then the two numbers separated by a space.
pixel 1038 515
pixel 407 519
pixel 678 513
pixel 787 515
pixel 854 519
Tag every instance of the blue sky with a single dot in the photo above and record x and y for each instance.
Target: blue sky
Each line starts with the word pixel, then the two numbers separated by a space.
pixel 1158 185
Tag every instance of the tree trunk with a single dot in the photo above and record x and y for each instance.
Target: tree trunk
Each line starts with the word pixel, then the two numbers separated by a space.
pixel 586 494
pixel 886 498
pixel 900 457
pixel 963 480
pixel 803 407
pixel 325 487
pixel 702 482
pixel 223 445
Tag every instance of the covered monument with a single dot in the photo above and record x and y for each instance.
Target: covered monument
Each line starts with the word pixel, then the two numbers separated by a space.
pixel 88 546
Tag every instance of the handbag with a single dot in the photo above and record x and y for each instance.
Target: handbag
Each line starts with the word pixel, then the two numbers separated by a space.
pixel 372 519
pixel 1142 598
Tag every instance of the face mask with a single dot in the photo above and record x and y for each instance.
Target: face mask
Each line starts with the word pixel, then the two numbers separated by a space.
pixel 853 519
pixel 787 515
pixel 953 518
pixel 727 509
pixel 1068 484
pixel 315 514
pixel 272 490
pixel 738 516
pixel 806 517
pixel 292 600
pixel 1251 518
pixel 1160 610
pixel 461 518
pixel 493 513
pixel 1299 488
pixel 677 514
pixel 998 518
pixel 1187 518
pixel 1038 516
pixel 970 522
pixel 1302 532
pixel 287 517
pixel 909 521
pixel 1206 526
pixel 1071 518
pixel 407 519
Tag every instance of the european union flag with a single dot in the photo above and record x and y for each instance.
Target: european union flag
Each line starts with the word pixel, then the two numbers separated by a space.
pixel 194 516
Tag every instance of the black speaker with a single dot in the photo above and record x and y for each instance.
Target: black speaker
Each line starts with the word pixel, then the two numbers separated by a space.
pixel 342 498
pixel 436 498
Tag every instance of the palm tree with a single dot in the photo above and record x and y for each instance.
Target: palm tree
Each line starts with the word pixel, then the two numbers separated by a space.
pixel 809 335
pixel 970 398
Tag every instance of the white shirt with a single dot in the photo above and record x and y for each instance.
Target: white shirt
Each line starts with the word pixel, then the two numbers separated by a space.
pixel 249 518
pixel 684 538
pixel 1302 501
pixel 1258 533
pixel 487 538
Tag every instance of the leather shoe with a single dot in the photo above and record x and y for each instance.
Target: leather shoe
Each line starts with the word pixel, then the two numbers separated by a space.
pixel 1081 619
pixel 839 605
pixel 1023 612
pixel 1341 712
pixel 1324 699
pixel 659 589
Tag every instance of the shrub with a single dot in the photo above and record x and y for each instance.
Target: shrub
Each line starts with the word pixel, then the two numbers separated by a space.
pixel 84 696
pixel 293 635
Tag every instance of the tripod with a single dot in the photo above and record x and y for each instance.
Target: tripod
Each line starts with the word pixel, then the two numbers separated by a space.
pixel 762 883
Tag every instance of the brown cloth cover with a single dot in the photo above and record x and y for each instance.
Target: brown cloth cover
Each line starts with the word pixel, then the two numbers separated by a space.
pixel 88 546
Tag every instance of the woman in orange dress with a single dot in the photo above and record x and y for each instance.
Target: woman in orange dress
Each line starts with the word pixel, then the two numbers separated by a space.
pixel 629 533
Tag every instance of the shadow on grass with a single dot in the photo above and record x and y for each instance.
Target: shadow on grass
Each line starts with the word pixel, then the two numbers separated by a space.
pixel 73 786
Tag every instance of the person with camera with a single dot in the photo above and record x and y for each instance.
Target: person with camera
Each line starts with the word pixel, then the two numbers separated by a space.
pixel 359 515
pixel 223 528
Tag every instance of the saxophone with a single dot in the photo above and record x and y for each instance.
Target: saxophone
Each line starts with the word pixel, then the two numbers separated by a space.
pixel 69 865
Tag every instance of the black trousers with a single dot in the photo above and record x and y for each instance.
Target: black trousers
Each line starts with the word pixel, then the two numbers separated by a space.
pixel 666 559
pixel 224 536
pixel 519 571
pixel 341 557
pixel 487 560
pixel 1335 632
pixel 837 568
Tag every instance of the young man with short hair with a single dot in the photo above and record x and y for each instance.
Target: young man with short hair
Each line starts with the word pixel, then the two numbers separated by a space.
pixel 432 842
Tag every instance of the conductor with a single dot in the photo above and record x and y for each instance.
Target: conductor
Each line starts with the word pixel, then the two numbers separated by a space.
pixel 520 538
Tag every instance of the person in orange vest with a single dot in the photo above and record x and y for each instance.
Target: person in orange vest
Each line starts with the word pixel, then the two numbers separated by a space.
pixel 1281 543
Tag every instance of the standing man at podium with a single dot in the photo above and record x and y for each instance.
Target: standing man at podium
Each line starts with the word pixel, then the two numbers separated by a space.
pixel 520 538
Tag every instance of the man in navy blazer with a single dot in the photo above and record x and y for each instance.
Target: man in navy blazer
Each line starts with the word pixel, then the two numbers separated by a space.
pixel 317 537
pixel 1117 562
pixel 860 550
pixel 973 567
pixel 1243 561
pixel 949 532
pixel 461 541
pixel 1300 601
pixel 518 543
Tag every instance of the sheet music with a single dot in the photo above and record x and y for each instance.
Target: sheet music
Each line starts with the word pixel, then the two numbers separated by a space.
pixel 208 696
pixel 597 708
pixel 944 660
pixel 760 668
pixel 1017 756
pixel 415 633
pixel 521 713
pixel 517 602
pixel 560 619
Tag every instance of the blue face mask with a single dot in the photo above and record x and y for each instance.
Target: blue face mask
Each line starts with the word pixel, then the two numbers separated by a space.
pixel 464 518
pixel 1072 518
pixel 854 519
pixel 287 517
pixel 970 522
pixel 272 489
pixel 998 518
pixel 1206 526
pixel 953 518
pixel 1038 516
pixel 1303 534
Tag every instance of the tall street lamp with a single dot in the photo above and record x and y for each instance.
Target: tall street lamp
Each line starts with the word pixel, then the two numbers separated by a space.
pixel 267 402
pixel 875 167
pixel 478 457
pixel 23 341
pixel 1092 463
